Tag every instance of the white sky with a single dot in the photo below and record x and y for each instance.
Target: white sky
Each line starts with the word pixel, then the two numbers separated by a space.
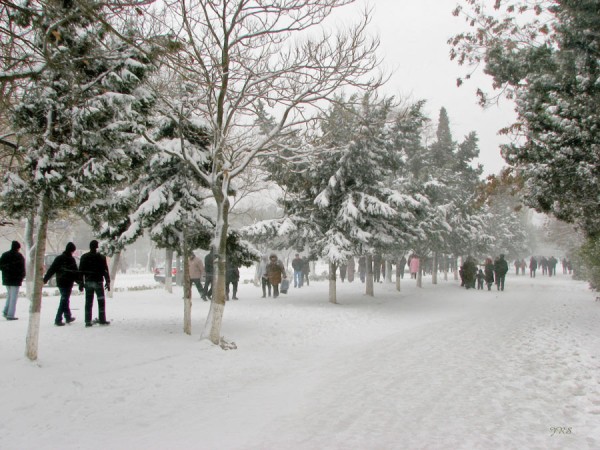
pixel 414 35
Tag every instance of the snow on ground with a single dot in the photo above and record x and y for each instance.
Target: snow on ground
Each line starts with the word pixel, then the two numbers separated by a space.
pixel 432 368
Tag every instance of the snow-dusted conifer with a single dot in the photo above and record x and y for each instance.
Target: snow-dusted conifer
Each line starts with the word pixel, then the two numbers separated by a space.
pixel 81 113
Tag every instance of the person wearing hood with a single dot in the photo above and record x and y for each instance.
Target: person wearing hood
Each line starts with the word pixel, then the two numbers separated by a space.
pixel 12 265
pixel 65 268
pixel 94 270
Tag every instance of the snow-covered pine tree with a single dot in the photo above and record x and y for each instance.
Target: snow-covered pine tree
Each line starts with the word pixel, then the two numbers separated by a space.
pixel 336 203
pixel 81 113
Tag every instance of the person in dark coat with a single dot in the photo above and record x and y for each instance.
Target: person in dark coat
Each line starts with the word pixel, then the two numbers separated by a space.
pixel 489 273
pixel 480 279
pixel 532 266
pixel 401 266
pixel 232 276
pixel 94 270
pixel 343 271
pixel 469 272
pixel 298 266
pixel 305 270
pixel 362 268
pixel 500 270
pixel 209 266
pixel 65 268
pixel 377 268
pixel 12 265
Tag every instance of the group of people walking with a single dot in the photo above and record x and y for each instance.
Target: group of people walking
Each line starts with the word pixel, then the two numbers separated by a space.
pixel 200 271
pixel 91 275
pixel 271 273
pixel 493 272
pixel 548 266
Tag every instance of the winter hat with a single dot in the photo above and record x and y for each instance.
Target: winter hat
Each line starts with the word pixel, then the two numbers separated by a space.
pixel 15 245
pixel 70 248
pixel 93 245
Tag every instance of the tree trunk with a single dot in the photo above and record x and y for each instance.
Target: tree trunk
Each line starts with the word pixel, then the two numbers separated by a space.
pixel 29 255
pixel 332 283
pixel 114 267
pixel 454 268
pixel 187 287
pixel 33 329
pixel 398 275
pixel 388 271
pixel 445 267
pixel 169 270
pixel 369 281
pixel 212 328
pixel 434 268
pixel 420 276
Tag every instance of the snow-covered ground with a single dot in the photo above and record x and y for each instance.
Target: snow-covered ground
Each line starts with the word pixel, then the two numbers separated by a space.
pixel 432 368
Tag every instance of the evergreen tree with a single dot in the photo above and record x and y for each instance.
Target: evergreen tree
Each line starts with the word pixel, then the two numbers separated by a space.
pixel 82 113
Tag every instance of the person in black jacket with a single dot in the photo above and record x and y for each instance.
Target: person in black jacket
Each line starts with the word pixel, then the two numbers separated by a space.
pixel 12 265
pixel 500 270
pixel 65 268
pixel 94 269
pixel 209 265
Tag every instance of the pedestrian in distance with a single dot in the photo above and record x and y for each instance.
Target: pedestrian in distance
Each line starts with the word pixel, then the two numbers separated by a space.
pixel 263 276
pixel 305 270
pixel 414 266
pixel 232 277
pixel 480 279
pixel 343 271
pixel 500 270
pixel 209 265
pixel 533 264
pixel 64 267
pixel 297 265
pixel 12 265
pixel 94 271
pixel 275 273
pixel 489 273
pixel 196 267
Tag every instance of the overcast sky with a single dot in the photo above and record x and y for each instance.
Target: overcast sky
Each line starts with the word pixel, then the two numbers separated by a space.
pixel 414 35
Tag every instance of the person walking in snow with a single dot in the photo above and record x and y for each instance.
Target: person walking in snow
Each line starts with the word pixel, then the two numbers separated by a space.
pixel 94 270
pixel 305 270
pixel 197 273
pixel 297 265
pixel 263 275
pixel 401 266
pixel 489 273
pixel 67 274
pixel 12 265
pixel 469 272
pixel 532 266
pixel 275 273
pixel 362 268
pixel 343 271
pixel 414 266
pixel 232 277
pixel 500 270
pixel 209 264
pixel 480 279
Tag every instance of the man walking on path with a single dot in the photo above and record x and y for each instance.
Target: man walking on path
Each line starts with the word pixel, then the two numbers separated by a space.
pixel 297 264
pixel 65 268
pixel 94 270
pixel 12 265
pixel 197 273
pixel 500 269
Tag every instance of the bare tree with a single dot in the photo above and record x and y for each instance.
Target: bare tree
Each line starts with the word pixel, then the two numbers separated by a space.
pixel 240 53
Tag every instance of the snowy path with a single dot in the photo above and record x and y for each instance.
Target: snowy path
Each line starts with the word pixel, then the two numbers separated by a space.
pixel 432 368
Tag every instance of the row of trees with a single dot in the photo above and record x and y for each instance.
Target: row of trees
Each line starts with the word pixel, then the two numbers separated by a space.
pixel 544 55
pixel 371 184
pixel 136 115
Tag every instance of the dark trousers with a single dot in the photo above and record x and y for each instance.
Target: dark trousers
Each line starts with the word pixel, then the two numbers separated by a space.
pixel 235 288
pixel 208 285
pixel 196 282
pixel 500 281
pixel 266 284
pixel 92 287
pixel 63 307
